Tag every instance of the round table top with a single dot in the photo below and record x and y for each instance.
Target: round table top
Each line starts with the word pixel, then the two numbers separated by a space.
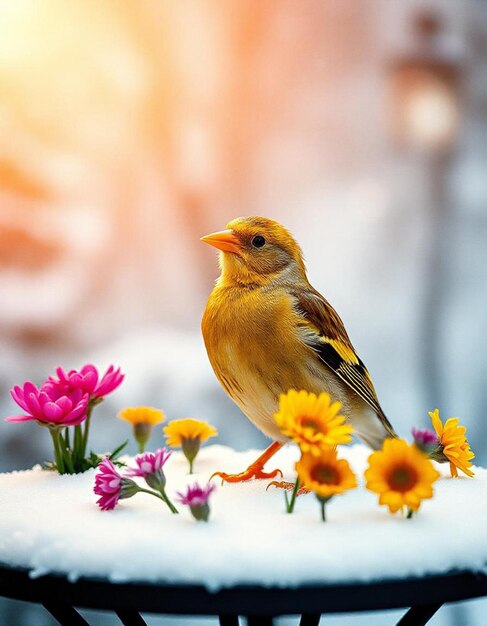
pixel 50 525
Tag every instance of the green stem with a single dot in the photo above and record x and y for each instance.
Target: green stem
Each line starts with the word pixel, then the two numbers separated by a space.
pixel 410 514
pixel 292 502
pixel 57 453
pixel 191 466
pixel 84 442
pixel 286 499
pixel 66 453
pixel 152 493
pixel 78 441
pixel 171 506
pixel 141 447
pixel 162 496
pixel 323 510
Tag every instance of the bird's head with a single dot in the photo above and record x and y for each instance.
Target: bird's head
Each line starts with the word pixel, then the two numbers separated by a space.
pixel 257 250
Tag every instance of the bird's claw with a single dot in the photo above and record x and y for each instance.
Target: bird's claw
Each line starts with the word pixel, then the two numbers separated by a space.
pixel 288 486
pixel 251 472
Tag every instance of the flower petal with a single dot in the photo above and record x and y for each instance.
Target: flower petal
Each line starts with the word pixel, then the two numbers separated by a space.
pixel 52 411
pixel 17 394
pixel 19 418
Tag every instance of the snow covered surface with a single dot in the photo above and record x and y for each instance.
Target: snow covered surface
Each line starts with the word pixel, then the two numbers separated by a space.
pixel 50 523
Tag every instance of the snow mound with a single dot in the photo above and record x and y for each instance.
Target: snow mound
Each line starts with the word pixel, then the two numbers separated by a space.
pixel 50 523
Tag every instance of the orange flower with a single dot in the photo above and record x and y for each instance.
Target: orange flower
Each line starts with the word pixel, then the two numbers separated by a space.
pixel 326 475
pixel 454 444
pixel 401 474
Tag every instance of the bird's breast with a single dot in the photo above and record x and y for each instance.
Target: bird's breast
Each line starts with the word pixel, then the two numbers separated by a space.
pixel 256 352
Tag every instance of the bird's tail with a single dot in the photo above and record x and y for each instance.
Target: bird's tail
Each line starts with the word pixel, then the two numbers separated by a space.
pixel 372 428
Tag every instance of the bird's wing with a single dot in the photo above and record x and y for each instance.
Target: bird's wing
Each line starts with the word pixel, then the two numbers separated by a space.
pixel 329 339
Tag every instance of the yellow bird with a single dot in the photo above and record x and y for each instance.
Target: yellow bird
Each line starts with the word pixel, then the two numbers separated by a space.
pixel 267 330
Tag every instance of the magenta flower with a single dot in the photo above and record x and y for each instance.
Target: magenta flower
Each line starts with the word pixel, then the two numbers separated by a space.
pixel 51 404
pixel 111 486
pixel 87 379
pixel 425 439
pixel 197 498
pixel 149 463
pixel 149 467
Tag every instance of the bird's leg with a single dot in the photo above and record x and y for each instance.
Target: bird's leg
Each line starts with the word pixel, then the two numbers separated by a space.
pixel 255 470
pixel 283 484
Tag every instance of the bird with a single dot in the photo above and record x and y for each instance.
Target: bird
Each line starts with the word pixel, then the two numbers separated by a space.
pixel 267 330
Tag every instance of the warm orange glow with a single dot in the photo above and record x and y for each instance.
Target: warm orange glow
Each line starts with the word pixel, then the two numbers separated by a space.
pixel 430 116
pixel 426 110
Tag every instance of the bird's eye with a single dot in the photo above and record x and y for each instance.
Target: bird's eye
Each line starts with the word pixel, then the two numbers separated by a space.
pixel 258 241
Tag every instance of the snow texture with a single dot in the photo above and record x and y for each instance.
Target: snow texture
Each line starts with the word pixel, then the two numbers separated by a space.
pixel 50 523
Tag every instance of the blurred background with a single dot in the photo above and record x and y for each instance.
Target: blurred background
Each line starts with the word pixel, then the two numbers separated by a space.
pixel 130 129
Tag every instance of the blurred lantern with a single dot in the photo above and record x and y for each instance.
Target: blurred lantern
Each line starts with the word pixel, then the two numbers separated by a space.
pixel 426 116
pixel 425 92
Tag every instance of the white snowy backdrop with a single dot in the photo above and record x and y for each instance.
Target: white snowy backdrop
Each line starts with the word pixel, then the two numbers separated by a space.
pixel 128 130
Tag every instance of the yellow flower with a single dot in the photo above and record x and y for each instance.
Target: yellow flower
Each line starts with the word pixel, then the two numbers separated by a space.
pixel 401 474
pixel 142 418
pixel 188 434
pixel 326 475
pixel 312 421
pixel 142 415
pixel 178 430
pixel 454 444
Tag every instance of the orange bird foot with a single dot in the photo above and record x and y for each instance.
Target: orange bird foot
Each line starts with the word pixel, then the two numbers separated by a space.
pixel 288 486
pixel 255 470
pixel 248 474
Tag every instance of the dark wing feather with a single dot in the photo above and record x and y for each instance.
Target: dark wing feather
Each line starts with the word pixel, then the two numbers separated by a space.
pixel 334 348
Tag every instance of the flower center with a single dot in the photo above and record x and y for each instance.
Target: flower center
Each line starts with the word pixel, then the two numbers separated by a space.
pixel 311 423
pixel 403 478
pixel 325 474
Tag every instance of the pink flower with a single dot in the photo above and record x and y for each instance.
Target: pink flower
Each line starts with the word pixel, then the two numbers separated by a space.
pixel 196 495
pixel 149 467
pixel 196 498
pixel 87 379
pixel 149 463
pixel 111 486
pixel 425 439
pixel 51 404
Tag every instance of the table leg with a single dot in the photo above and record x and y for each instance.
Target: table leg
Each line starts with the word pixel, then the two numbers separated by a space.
pixel 228 620
pixel 260 620
pixel 65 615
pixel 419 615
pixel 129 617
pixel 310 619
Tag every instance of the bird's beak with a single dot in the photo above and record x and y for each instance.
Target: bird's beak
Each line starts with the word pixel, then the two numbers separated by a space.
pixel 224 240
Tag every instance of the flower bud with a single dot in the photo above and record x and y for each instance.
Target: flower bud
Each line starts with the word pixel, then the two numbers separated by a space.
pixel 190 447
pixel 200 512
pixel 157 480
pixel 426 440
pixel 196 498
pixel 142 433
pixel 128 489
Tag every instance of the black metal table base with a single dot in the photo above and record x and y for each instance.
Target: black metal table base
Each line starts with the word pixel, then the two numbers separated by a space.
pixel 419 615
pixel 65 614
pixel 130 618
pixel 259 605
pixel 68 616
